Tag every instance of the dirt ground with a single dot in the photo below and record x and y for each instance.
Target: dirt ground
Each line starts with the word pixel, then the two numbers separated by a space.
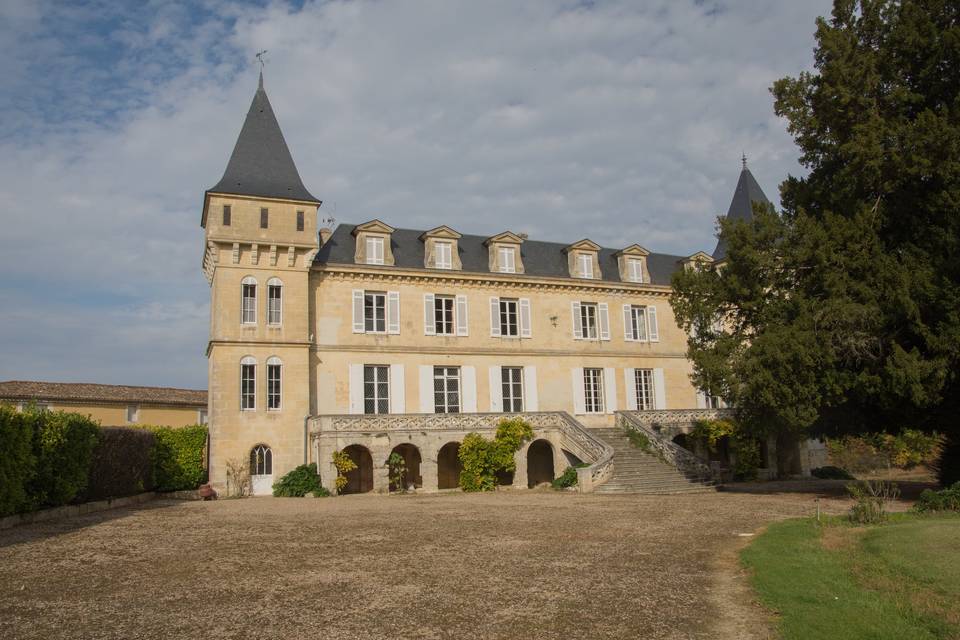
pixel 513 564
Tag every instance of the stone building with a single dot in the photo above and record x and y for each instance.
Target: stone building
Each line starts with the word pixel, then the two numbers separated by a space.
pixel 373 338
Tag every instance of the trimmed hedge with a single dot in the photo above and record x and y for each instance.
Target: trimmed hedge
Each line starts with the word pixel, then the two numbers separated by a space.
pixel 178 460
pixel 17 462
pixel 122 463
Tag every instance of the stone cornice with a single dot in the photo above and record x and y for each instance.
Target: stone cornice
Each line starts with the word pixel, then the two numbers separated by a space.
pixel 411 349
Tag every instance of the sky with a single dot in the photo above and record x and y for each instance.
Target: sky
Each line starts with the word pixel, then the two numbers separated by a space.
pixel 619 121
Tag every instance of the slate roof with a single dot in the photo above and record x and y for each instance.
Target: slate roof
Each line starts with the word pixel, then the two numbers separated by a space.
pixel 741 207
pixel 106 393
pixel 545 259
pixel 261 164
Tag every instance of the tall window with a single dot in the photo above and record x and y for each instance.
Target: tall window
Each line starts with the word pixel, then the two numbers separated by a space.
pixel 593 390
pixel 299 220
pixel 588 320
pixel 374 312
pixel 264 218
pixel 506 257
pixel 585 265
pixel 644 382
pixel 226 215
pixel 133 413
pixel 374 250
pixel 261 461
pixel 638 323
pixel 446 389
pixel 509 325
pixel 635 270
pixel 376 388
pixel 248 306
pixel 512 382
pixel 443 315
pixel 274 301
pixel 201 416
pixel 443 255
pixel 248 384
pixel 274 373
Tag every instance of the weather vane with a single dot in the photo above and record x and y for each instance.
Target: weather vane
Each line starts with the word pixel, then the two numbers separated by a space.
pixel 259 57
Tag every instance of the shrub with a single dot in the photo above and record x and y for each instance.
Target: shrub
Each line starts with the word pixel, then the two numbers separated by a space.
pixel 122 463
pixel 238 477
pixel 397 469
pixel 872 451
pixel 870 500
pixel 178 461
pixel 831 473
pixel 744 447
pixel 948 463
pixel 945 500
pixel 17 462
pixel 568 478
pixel 63 447
pixel 344 464
pixel 299 482
pixel 483 459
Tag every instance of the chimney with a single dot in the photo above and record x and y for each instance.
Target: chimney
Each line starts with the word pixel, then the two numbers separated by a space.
pixel 325 234
pixel 524 236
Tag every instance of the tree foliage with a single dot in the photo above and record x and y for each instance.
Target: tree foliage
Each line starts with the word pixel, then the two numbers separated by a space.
pixel 842 313
pixel 483 459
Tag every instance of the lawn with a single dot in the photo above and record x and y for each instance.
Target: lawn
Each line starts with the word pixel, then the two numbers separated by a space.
pixel 900 580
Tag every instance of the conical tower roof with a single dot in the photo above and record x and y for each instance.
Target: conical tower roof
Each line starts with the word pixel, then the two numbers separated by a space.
pixel 741 207
pixel 261 164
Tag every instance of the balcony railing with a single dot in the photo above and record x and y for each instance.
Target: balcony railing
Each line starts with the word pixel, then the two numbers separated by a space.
pixel 670 452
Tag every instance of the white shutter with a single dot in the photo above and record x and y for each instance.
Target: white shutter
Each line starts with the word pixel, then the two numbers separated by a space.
pixel 604 313
pixel 429 326
pixel 462 315
pixel 531 401
pixel 627 323
pixel 579 402
pixel 701 400
pixel 496 390
pixel 495 317
pixel 393 312
pixel 654 333
pixel 426 388
pixel 358 310
pixel 609 389
pixel 398 398
pixel 525 317
pixel 356 389
pixel 468 384
pixel 577 329
pixel 659 390
pixel 630 381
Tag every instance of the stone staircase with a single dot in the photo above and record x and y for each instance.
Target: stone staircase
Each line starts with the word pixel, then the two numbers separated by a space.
pixel 635 471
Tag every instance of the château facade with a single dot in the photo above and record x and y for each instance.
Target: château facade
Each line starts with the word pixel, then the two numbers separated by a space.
pixel 373 338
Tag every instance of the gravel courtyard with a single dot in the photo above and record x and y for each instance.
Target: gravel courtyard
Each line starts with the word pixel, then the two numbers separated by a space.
pixel 515 564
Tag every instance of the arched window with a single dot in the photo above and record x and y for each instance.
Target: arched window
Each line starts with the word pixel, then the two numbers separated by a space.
pixel 248 304
pixel 274 301
pixel 248 383
pixel 274 375
pixel 261 461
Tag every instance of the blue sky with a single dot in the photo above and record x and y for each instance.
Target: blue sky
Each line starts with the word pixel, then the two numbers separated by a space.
pixel 621 121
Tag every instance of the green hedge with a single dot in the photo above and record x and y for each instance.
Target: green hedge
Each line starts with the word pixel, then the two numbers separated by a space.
pixel 178 460
pixel 122 463
pixel 17 462
pixel 299 482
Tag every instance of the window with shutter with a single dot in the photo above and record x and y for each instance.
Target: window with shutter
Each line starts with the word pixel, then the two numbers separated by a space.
pixel 376 389
pixel 511 382
pixel 374 312
pixel 443 256
pixel 509 317
pixel 593 390
pixel 374 250
pixel 446 389
pixel 443 312
pixel 248 306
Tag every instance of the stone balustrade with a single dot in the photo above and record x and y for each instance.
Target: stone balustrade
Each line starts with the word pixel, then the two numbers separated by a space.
pixel 670 452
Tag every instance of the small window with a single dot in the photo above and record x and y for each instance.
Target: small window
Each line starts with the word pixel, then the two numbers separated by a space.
pixel 585 265
pixel 509 325
pixel 274 374
pixel 593 390
pixel 374 312
pixel 201 416
pixel 248 306
pixel 638 323
pixel 588 320
pixel 376 389
pixel 635 270
pixel 512 386
pixel 374 250
pixel 507 259
pixel 299 220
pixel 274 301
pixel 226 215
pixel 133 413
pixel 443 315
pixel 264 218
pixel 644 383
pixel 446 389
pixel 248 384
pixel 443 252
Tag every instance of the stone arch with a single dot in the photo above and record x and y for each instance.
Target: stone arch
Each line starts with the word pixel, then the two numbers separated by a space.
pixel 360 480
pixel 539 463
pixel 449 466
pixel 412 459
pixel 683 440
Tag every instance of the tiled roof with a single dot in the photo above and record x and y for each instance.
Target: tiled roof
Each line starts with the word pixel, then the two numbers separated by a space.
pixel 545 259
pixel 85 392
pixel 741 206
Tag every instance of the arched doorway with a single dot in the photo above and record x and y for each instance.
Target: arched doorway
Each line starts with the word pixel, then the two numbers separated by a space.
pixel 411 460
pixel 539 463
pixel 261 470
pixel 449 466
pixel 360 480
pixel 682 440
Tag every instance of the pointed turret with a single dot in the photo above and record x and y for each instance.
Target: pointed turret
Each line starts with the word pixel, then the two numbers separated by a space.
pixel 741 207
pixel 261 164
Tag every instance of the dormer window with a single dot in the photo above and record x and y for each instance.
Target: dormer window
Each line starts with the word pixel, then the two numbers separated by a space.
pixel 374 250
pixel 583 260
pixel 444 256
pixel 635 270
pixel 507 259
pixel 585 265
pixel 440 248
pixel 503 251
pixel 632 263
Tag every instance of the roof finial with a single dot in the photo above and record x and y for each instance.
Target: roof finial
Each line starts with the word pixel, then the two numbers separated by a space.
pixel 259 57
pixel 744 160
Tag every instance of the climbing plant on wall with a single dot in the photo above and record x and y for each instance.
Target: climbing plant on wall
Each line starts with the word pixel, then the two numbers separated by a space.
pixel 483 459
